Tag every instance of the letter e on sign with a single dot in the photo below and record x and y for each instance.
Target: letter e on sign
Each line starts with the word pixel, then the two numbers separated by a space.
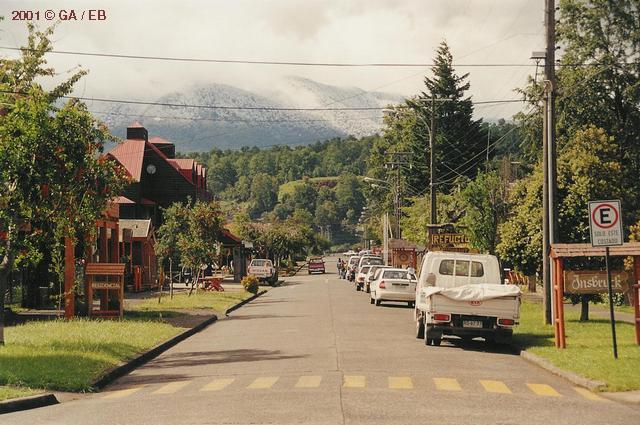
pixel 605 223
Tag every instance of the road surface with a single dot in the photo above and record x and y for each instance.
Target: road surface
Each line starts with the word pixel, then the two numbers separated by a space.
pixel 314 351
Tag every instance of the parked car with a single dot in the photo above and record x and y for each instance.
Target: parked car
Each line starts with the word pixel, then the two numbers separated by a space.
pixel 360 277
pixel 370 275
pixel 393 285
pixel 463 295
pixel 352 264
pixel 316 265
pixel 369 260
pixel 264 270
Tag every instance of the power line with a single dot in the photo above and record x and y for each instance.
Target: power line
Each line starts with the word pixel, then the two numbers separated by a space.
pixel 248 108
pixel 263 62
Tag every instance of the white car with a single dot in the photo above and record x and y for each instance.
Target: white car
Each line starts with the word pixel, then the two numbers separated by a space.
pixel 352 265
pixel 393 285
pixel 360 277
pixel 370 260
pixel 349 253
pixel 370 275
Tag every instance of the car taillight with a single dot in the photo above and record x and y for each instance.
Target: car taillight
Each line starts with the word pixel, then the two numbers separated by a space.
pixel 506 322
pixel 382 285
pixel 441 317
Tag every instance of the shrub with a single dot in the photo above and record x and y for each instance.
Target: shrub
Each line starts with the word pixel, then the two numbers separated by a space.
pixel 250 284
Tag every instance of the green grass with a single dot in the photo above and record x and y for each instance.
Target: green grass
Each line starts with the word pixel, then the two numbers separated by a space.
pixel 7 392
pixel 69 355
pixel 589 347
pixel 217 301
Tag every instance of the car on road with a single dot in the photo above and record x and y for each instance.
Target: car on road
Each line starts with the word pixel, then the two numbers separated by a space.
pixel 352 265
pixel 316 265
pixel 393 284
pixel 264 270
pixel 370 276
pixel 349 253
pixel 360 277
pixel 369 260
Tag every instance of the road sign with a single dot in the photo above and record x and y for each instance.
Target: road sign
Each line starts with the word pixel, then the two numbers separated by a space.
pixel 605 222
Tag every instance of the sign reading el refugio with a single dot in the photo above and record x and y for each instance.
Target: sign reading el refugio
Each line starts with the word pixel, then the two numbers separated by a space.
pixel 594 282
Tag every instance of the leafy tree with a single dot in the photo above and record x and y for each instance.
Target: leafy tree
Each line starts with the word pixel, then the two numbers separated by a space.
pixel 264 194
pixel 174 224
pixel 51 174
pixel 485 207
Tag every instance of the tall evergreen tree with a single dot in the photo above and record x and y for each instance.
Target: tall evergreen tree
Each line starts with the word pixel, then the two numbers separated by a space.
pixel 459 142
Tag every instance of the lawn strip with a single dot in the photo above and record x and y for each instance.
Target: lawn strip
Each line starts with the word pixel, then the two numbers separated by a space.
pixel 589 351
pixel 8 392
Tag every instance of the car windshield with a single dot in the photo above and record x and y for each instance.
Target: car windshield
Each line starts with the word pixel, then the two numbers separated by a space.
pixel 353 261
pixel 316 260
pixel 398 274
pixel 364 270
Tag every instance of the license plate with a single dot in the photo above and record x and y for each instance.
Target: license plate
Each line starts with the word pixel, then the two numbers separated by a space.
pixel 471 324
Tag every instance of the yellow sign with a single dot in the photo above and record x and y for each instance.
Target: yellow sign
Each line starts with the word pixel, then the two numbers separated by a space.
pixel 449 242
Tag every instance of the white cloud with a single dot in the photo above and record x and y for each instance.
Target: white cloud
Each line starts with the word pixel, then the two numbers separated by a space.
pixel 478 31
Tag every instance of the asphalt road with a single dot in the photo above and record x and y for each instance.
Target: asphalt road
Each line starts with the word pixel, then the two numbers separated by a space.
pixel 314 351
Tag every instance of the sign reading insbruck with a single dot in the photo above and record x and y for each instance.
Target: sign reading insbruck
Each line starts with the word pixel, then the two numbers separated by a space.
pixel 605 222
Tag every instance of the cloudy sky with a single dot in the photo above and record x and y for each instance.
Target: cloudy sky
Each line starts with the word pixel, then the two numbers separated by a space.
pixel 478 32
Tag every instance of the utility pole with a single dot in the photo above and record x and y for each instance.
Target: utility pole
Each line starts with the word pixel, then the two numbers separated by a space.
pixel 550 210
pixel 432 162
pixel 398 159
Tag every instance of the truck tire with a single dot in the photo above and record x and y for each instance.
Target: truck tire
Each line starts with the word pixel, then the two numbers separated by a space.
pixel 432 337
pixel 411 304
pixel 378 302
pixel 420 328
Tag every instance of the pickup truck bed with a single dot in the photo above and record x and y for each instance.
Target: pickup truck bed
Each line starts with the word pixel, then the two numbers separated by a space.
pixel 488 311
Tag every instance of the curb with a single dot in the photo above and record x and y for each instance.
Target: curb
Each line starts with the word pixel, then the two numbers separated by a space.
pixel 596 386
pixel 143 358
pixel 243 302
pixel 25 403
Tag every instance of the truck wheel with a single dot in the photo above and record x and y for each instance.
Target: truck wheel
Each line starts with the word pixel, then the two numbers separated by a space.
pixel 420 328
pixel 378 302
pixel 437 342
pixel 411 304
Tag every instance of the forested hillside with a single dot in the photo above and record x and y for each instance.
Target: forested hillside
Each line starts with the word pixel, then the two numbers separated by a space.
pixel 319 181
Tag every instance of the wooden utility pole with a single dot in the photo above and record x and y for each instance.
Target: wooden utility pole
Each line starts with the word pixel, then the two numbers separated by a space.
pixel 549 188
pixel 432 162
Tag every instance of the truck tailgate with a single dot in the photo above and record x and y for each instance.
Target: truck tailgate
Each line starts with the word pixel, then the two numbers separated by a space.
pixel 505 307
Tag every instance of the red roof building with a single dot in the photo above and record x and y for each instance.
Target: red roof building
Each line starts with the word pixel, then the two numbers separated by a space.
pixel 158 178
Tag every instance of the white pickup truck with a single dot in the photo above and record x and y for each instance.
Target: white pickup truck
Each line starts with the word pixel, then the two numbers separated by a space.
pixel 263 269
pixel 462 295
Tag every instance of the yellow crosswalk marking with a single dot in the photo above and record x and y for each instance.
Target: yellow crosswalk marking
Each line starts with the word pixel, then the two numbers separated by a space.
pixel 123 393
pixel 495 387
pixel 447 384
pixel 354 381
pixel 588 394
pixel 217 384
pixel 171 387
pixel 400 383
pixel 543 390
pixel 309 382
pixel 263 383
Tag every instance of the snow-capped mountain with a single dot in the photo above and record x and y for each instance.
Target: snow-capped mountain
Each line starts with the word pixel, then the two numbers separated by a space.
pixel 201 129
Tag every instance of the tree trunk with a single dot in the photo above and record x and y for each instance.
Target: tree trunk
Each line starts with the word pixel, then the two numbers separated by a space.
pixel 170 278
pixel 584 309
pixel 6 265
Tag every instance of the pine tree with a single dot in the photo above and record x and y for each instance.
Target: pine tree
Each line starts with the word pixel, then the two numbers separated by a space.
pixel 459 142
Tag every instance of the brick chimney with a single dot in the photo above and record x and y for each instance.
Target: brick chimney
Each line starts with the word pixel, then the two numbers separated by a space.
pixel 137 132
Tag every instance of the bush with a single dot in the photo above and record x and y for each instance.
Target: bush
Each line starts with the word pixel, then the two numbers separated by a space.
pixel 250 284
